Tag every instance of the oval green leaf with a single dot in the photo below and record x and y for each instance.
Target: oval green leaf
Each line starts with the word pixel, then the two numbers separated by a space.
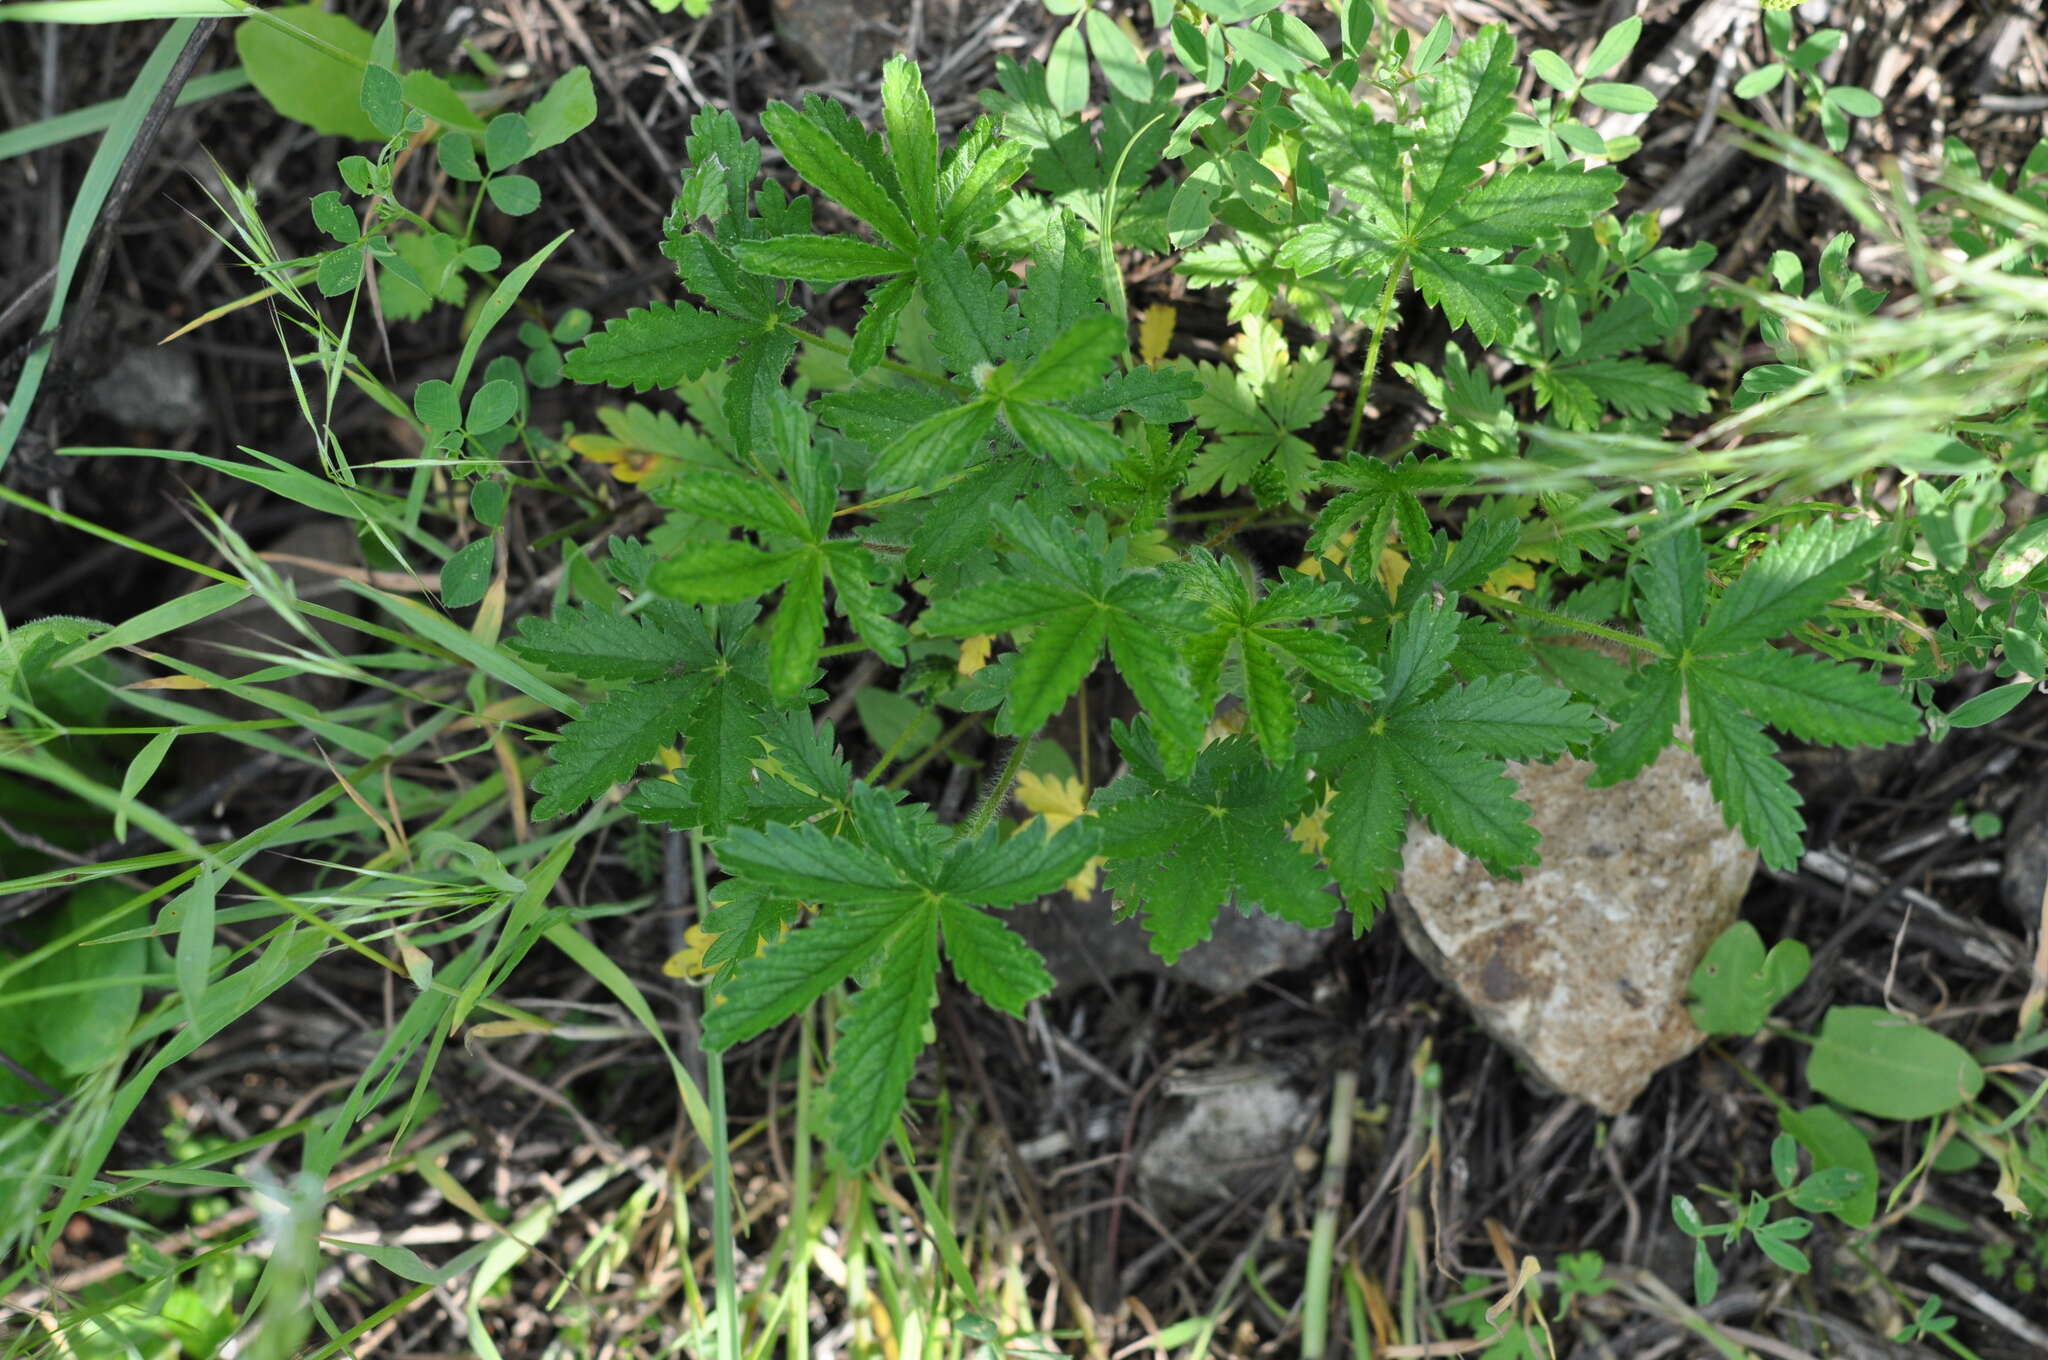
pixel 1991 705
pixel 1066 74
pixel 467 575
pixel 1870 1060
pixel 307 83
pixel 2019 556
pixel 513 195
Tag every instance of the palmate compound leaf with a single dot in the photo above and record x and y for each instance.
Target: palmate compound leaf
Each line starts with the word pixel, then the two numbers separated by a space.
pixel 797 510
pixel 1448 228
pixel 1438 751
pixel 1378 495
pixel 1732 685
pixel 678 672
pixel 974 326
pixel 887 895
pixel 1254 414
pixel 1180 849
pixel 1075 591
pixel 1269 638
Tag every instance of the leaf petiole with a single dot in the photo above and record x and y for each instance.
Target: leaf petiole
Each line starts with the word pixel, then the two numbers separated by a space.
pixel 1530 611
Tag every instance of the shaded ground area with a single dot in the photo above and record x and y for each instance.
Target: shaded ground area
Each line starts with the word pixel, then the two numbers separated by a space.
pixel 1035 1126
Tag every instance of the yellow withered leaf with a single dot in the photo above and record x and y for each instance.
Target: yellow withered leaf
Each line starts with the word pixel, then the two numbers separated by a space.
pixel 1155 332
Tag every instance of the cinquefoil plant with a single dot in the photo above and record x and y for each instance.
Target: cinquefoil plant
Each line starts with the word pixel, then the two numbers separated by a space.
pixel 984 459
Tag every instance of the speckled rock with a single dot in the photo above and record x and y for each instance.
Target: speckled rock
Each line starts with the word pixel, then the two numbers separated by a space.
pixel 151 387
pixel 1224 1133
pixel 1582 968
pixel 2025 879
pixel 840 41
pixel 1083 942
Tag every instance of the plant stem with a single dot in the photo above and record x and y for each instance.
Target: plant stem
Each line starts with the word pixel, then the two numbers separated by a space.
pixel 1381 319
pixel 999 786
pixel 1322 1243
pixel 725 1268
pixel 798 1332
pixel 938 747
pixel 1530 611
pixel 841 348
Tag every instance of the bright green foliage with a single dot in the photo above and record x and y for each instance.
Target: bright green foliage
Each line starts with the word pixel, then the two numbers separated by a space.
pixel 1181 848
pixel 1435 211
pixel 1072 591
pixel 984 492
pixel 676 671
pixel 898 886
pixel 1438 751
pixel 1257 413
pixel 1266 643
pixel 941 525
pixel 792 515
pixel 1717 664
pixel 1548 124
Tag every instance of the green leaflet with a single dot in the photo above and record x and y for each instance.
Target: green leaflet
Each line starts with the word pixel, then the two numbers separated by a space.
pixel 656 346
pixel 1180 849
pixel 1076 591
pixel 913 141
pixel 1732 684
pixel 1437 750
pixel 852 174
pixel 886 894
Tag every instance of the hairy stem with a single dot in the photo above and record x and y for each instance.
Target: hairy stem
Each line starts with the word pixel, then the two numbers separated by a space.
pixel 992 797
pixel 843 349
pixel 1382 318
pixel 1530 611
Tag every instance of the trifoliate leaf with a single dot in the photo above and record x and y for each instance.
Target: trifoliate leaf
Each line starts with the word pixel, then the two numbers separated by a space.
pixel 1267 638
